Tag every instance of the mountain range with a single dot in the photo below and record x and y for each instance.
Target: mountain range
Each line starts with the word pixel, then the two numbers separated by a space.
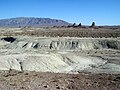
pixel 31 21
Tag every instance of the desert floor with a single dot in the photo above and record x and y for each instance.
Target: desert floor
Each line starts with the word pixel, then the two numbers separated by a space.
pixel 59 58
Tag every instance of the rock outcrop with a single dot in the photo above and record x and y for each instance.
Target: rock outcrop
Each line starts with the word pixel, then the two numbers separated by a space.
pixel 62 43
pixel 93 25
pixel 59 55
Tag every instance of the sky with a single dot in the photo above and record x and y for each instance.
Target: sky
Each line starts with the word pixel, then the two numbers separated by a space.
pixel 103 12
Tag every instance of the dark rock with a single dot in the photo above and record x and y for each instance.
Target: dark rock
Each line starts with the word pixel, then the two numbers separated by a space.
pixel 9 39
pixel 93 25
pixel 79 25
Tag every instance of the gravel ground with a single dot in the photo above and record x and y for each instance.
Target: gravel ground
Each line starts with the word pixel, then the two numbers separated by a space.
pixel 15 80
pixel 61 32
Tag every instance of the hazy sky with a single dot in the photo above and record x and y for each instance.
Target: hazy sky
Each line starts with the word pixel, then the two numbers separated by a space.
pixel 103 12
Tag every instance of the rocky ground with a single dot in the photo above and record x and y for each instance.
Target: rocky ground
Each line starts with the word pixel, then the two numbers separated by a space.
pixel 62 32
pixel 15 80
pixel 88 67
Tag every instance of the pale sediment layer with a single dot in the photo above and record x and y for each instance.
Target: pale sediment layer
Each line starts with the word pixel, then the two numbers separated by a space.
pixel 59 43
pixel 60 55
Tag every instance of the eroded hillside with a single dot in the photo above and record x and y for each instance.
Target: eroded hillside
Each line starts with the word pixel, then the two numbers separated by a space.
pixel 59 58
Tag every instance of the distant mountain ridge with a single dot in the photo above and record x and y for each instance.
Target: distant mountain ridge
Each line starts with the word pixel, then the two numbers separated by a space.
pixel 31 21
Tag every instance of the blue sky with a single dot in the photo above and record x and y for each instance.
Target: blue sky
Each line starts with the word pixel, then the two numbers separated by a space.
pixel 103 12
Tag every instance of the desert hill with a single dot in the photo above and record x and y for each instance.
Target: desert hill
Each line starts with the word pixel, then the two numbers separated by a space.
pixel 31 21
